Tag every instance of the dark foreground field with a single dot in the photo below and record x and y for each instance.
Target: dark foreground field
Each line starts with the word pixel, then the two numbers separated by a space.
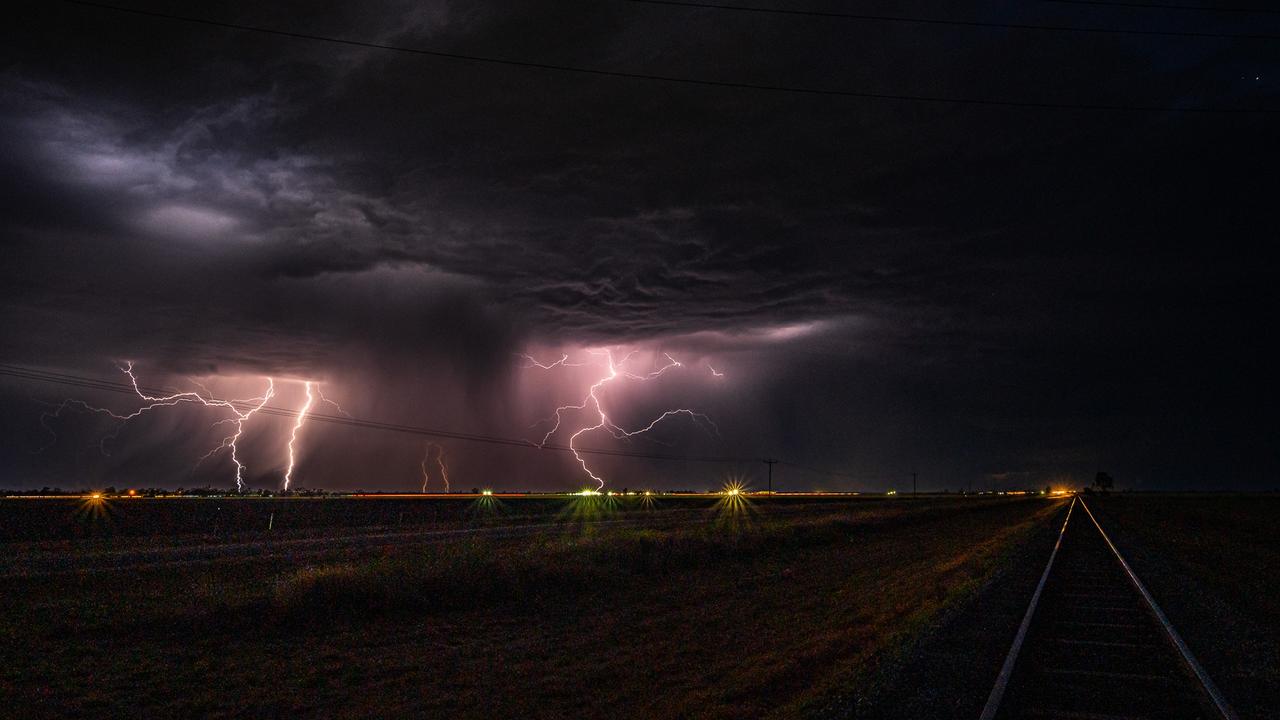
pixel 730 611
pixel 594 608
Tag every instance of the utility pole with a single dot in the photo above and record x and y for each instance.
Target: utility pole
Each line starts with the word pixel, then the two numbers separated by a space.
pixel 770 462
pixel 914 474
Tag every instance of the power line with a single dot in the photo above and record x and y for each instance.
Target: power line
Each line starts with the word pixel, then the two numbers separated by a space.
pixel 1167 6
pixel 835 473
pixel 17 371
pixel 20 372
pixel 700 82
pixel 770 462
pixel 904 19
pixel 125 388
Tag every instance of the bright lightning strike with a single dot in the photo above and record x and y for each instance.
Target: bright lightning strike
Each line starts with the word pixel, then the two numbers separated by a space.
pixel 238 416
pixel 297 425
pixel 326 400
pixel 235 458
pixel 158 401
pixel 153 402
pixel 592 403
pixel 562 362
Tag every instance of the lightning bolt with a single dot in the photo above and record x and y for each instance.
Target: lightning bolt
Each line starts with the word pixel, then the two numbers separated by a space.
pixel 241 417
pixel 562 362
pixel 444 470
pixel 237 419
pixel 313 394
pixel 714 372
pixel 153 402
pixel 297 425
pixel 326 400
pixel 614 370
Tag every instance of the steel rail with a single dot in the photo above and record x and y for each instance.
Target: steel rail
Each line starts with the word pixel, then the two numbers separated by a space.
pixel 1196 668
pixel 1006 671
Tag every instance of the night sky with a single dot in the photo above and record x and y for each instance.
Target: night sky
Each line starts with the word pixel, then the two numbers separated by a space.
pixel 991 296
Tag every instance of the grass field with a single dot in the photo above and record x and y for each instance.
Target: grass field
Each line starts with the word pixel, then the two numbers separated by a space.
pixel 76 519
pixel 748 614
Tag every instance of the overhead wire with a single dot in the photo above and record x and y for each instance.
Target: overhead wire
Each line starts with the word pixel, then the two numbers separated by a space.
pixel 676 79
pixel 1166 6
pixel 917 20
pixel 16 371
pixel 26 373
pixel 837 473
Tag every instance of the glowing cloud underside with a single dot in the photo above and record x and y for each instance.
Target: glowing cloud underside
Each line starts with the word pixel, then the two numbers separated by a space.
pixel 592 404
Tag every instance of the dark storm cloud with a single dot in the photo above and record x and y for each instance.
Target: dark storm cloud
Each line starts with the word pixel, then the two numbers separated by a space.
pixel 969 290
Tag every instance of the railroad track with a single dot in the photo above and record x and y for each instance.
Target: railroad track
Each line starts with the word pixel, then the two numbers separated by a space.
pixel 1094 644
